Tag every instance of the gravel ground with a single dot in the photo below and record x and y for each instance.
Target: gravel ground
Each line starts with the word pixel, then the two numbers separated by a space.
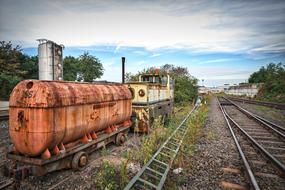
pixel 214 151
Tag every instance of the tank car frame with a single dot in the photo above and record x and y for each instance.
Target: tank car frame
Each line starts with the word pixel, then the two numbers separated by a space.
pixel 75 157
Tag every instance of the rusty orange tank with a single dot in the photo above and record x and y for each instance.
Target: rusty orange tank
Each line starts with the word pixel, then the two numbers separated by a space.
pixel 45 115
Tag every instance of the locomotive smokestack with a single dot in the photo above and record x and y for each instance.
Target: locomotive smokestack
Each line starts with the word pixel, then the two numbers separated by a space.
pixel 123 69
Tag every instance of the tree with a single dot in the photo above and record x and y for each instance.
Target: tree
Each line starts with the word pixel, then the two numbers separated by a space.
pixel 90 67
pixel 10 59
pixel 70 68
pixel 84 68
pixel 10 68
pixel 273 78
pixel 29 64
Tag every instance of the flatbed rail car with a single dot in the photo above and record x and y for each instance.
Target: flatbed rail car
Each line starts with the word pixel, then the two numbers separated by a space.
pixel 152 98
pixel 55 124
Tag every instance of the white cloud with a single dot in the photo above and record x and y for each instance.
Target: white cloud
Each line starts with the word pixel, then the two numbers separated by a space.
pixel 155 55
pixel 198 25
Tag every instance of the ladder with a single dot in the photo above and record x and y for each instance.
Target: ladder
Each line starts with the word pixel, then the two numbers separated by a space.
pixel 153 174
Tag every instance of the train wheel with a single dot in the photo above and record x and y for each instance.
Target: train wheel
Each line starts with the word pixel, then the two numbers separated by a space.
pixel 79 161
pixel 120 139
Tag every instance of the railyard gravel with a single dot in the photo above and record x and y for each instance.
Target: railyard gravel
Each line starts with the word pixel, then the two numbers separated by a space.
pixel 214 151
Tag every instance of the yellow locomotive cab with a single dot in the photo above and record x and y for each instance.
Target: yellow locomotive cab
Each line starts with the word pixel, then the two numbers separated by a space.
pixel 152 97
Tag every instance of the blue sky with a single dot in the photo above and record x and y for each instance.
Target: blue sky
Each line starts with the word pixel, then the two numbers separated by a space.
pixel 218 41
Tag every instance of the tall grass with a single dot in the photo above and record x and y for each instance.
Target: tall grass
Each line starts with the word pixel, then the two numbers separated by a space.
pixel 183 159
pixel 111 178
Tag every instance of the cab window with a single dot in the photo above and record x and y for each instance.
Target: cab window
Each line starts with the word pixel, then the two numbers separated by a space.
pixel 147 78
pixel 164 80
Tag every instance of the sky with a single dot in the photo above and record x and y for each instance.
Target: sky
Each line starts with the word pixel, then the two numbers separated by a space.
pixel 219 41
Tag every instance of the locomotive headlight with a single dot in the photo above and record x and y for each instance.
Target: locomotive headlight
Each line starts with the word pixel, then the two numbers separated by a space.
pixel 141 93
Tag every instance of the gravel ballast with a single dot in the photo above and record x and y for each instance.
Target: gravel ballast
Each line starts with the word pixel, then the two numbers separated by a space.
pixel 214 151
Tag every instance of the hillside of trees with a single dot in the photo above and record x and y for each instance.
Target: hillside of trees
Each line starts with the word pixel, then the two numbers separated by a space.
pixel 16 66
pixel 185 85
pixel 273 78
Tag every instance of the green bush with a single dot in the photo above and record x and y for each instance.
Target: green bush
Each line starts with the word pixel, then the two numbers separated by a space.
pixel 273 78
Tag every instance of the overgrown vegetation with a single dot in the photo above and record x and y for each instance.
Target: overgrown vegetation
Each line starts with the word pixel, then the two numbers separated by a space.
pixel 273 78
pixel 111 177
pixel 185 85
pixel 183 159
pixel 150 143
pixel 16 66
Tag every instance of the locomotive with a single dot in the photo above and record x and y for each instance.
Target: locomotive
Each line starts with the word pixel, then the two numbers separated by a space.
pixel 152 98
pixel 55 124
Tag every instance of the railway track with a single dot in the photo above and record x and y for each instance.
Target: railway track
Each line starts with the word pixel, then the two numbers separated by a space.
pixel 261 146
pixel 6 183
pixel 4 117
pixel 267 104
pixel 4 113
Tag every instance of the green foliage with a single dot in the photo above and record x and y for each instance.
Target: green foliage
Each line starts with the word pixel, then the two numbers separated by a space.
pixel 90 67
pixel 124 179
pixel 106 178
pixel 183 159
pixel 84 68
pixel 10 59
pixel 185 89
pixel 273 77
pixel 151 142
pixel 30 66
pixel 111 178
pixel 7 83
pixel 70 68
pixel 14 67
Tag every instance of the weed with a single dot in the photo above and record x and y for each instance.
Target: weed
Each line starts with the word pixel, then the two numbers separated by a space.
pixel 106 178
pixel 105 152
pixel 211 135
pixel 193 133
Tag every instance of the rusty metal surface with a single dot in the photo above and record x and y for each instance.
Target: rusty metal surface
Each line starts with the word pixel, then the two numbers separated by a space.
pixel 44 114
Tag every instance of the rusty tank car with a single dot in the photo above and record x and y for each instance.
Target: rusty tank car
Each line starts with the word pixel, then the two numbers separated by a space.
pixel 52 120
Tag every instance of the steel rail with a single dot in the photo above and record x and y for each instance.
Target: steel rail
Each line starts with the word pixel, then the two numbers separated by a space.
pixel 267 104
pixel 256 144
pixel 269 122
pixel 248 170
pixel 261 120
pixel 165 166
pixel 4 184
pixel 4 117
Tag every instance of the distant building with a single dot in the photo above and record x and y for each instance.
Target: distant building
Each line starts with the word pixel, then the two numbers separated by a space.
pixel 203 90
pixel 244 89
pixel 218 89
